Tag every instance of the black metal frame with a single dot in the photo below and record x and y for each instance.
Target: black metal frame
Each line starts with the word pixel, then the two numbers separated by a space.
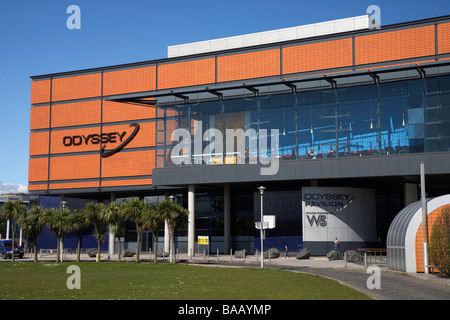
pixel 294 84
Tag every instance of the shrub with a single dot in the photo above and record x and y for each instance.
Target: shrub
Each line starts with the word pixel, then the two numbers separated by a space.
pixel 440 243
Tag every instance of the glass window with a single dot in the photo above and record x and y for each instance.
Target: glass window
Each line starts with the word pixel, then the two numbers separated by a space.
pixel 444 84
pixel 432 84
pixel 394 117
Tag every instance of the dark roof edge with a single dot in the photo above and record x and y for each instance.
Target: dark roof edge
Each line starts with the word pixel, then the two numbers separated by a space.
pixel 194 56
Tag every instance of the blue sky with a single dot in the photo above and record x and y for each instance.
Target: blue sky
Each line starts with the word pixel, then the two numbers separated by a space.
pixel 35 40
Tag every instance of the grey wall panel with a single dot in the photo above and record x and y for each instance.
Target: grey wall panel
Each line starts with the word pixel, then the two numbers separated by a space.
pixel 354 167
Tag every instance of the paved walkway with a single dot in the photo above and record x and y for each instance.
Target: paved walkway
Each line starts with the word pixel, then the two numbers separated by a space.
pixel 394 285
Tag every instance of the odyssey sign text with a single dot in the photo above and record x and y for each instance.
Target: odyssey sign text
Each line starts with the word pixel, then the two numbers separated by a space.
pixel 103 138
pixel 316 201
pixel 337 200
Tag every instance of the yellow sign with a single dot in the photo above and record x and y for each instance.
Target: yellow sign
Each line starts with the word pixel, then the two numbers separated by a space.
pixel 203 240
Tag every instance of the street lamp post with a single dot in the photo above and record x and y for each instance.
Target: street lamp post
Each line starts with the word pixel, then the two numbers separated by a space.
pixel 63 204
pixel 424 216
pixel 261 191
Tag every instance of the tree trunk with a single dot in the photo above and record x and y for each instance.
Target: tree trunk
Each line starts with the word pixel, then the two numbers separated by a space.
pixel 172 240
pixel 12 245
pixel 79 248
pixel 35 246
pixel 99 244
pixel 138 244
pixel 58 247
pixel 155 245
pixel 118 249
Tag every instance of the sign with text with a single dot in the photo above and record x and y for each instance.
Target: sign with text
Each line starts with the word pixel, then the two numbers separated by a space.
pixel 346 213
pixel 203 240
pixel 268 222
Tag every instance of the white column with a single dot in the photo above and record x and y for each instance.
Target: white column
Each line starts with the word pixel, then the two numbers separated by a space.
pixel 226 219
pixel 111 234
pixel 191 219
pixel 166 231
pixel 62 198
pixel 424 216
pixel 166 237
pixel 7 229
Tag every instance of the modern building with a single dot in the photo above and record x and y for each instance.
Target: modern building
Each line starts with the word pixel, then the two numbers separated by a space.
pixel 333 119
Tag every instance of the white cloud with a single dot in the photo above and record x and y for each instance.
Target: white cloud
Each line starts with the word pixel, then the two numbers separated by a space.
pixel 6 187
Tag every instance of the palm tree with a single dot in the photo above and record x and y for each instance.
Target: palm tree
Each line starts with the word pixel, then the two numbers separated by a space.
pixel 133 211
pixel 31 224
pixel 78 224
pixel 175 216
pixel 152 220
pixel 2 223
pixel 115 217
pixel 13 211
pixel 58 221
pixel 95 213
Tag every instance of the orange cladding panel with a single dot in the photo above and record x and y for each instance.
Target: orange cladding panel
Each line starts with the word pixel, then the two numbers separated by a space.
pixel 92 139
pixel 38 169
pixel 77 87
pixel 130 80
pixel 144 138
pixel 74 185
pixel 39 117
pixel 395 45
pixel 75 167
pixel 318 56
pixel 123 164
pixel 40 91
pixel 431 219
pixel 39 143
pixel 185 74
pixel 73 114
pixel 248 65
pixel 37 187
pixel 115 111
pixel 120 183
pixel 444 38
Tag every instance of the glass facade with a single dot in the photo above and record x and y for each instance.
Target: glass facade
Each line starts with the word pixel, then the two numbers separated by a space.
pixel 409 116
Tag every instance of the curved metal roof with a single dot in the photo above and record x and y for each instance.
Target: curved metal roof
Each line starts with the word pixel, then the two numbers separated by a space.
pixel 396 238
pixel 397 230
pixel 400 242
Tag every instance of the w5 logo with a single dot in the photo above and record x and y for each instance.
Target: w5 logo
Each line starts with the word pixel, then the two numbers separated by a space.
pixel 320 220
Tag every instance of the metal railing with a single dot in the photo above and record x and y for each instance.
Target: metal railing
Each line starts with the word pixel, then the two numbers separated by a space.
pixel 373 256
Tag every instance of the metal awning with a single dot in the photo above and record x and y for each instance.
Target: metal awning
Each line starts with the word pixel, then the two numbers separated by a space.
pixel 293 83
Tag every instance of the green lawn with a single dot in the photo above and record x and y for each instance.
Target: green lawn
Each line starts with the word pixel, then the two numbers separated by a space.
pixel 162 281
